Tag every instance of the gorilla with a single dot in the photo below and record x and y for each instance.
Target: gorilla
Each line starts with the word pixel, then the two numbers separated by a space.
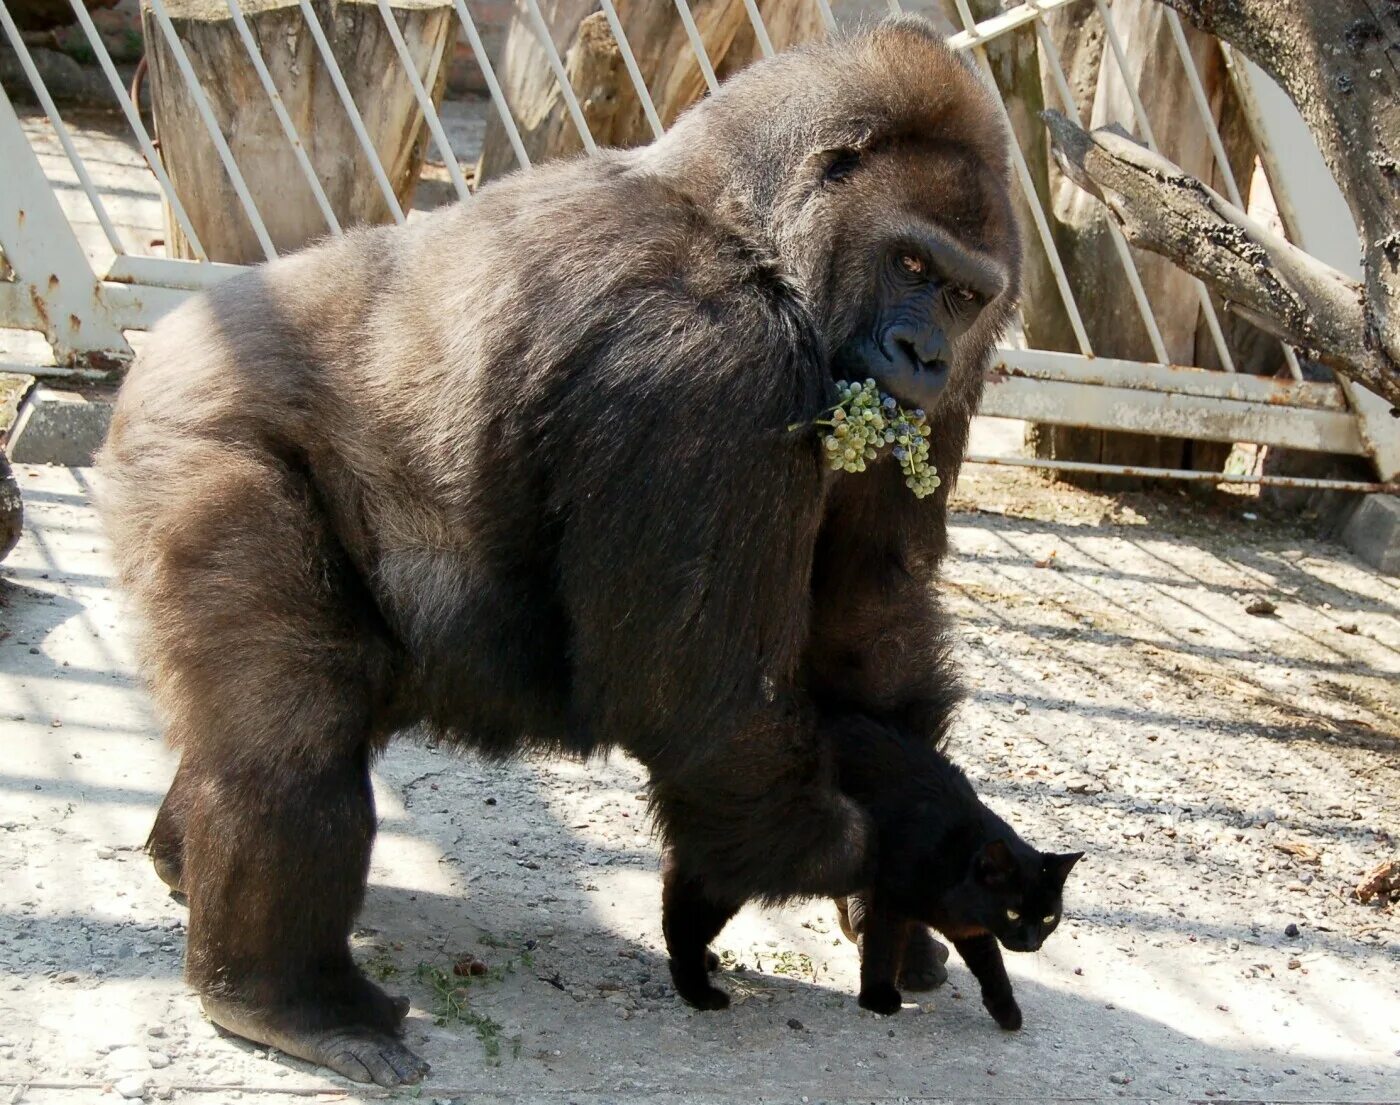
pixel 531 473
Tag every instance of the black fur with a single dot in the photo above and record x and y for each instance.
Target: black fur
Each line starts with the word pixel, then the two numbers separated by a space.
pixel 522 472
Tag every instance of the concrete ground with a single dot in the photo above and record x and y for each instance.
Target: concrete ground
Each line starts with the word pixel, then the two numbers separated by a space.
pixel 1229 776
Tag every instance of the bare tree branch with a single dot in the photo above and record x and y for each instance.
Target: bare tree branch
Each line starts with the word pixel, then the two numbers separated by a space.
pixel 1337 60
pixel 1268 280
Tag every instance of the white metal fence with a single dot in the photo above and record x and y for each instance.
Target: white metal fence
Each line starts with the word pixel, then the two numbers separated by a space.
pixel 82 303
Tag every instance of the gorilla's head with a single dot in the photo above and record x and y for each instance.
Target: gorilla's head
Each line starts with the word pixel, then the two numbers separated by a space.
pixel 876 167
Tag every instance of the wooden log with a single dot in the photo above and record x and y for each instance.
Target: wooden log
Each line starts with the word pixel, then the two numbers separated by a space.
pixel 1281 288
pixel 1336 61
pixel 281 194
pixel 593 62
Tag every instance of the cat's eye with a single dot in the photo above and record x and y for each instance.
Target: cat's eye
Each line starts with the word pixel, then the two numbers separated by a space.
pixel 1012 915
pixel 1048 920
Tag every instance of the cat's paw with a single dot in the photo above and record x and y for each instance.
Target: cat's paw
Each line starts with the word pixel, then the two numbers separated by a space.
pixel 1005 1012
pixel 882 998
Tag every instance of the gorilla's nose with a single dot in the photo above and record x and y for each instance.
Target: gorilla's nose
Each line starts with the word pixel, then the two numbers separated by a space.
pixel 919 364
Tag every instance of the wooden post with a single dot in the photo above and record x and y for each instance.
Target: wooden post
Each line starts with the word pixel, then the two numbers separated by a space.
pixel 605 91
pixel 374 75
pixel 1111 315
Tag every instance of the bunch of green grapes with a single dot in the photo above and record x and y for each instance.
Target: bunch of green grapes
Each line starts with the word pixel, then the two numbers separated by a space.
pixel 865 422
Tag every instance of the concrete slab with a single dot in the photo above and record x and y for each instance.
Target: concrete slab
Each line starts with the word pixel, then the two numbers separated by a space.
pixel 1373 532
pixel 1228 775
pixel 60 427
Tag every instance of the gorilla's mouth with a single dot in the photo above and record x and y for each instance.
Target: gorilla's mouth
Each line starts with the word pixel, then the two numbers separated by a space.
pixel 893 362
pixel 901 372
pixel 910 378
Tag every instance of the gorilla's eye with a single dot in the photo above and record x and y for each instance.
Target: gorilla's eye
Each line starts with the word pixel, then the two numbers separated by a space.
pixel 843 164
pixel 963 295
pixel 1048 920
pixel 913 264
pixel 1012 915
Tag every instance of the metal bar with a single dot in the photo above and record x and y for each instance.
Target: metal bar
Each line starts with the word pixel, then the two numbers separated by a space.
pixel 488 73
pixel 1023 176
pixel 206 113
pixel 284 120
pixel 697 44
pixel 138 128
pixel 556 64
pixel 166 272
pixel 48 262
pixel 1140 411
pixel 357 124
pixel 1042 364
pixel 1007 21
pixel 1120 244
pixel 18 310
pixel 1183 474
pixel 824 7
pixel 425 101
pixel 65 140
pixel 1217 146
pixel 765 44
pixel 633 69
pixel 1212 321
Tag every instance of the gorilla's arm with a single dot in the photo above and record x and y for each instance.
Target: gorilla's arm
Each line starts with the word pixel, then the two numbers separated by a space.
pixel 685 565
pixel 879 642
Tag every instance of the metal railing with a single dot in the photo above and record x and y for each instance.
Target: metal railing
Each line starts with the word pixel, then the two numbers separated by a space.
pixel 82 304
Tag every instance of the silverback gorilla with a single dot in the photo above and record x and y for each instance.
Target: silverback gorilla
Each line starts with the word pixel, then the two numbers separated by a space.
pixel 522 473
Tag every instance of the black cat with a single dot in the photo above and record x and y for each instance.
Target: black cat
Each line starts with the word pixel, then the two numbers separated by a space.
pixel 944 859
pixel 941 858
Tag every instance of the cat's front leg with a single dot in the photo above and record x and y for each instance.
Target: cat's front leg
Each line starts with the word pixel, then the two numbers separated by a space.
pixel 690 918
pixel 982 955
pixel 881 947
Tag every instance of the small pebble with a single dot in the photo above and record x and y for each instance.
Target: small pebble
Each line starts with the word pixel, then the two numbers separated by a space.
pixel 1120 1078
pixel 132 1086
pixel 794 1024
pixel 1292 931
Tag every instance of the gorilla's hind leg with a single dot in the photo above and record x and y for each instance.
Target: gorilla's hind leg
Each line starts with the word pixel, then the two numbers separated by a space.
pixel 274 672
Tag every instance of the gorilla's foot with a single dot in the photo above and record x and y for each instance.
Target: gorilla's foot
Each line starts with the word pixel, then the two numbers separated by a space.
pixel 924 958
pixel 358 1052
pixel 711 961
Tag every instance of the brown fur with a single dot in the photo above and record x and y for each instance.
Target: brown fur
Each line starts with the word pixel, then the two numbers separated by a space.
pixel 520 472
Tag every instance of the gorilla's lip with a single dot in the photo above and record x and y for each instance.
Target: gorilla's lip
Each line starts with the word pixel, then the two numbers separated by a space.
pixel 913 383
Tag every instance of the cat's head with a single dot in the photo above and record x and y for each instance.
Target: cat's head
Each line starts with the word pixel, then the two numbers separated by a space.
pixel 1015 892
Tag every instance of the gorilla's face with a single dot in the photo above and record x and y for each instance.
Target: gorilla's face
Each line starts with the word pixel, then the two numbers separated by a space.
pixel 930 282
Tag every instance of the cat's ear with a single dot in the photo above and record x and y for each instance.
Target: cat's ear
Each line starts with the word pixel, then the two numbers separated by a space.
pixel 995 863
pixel 1059 867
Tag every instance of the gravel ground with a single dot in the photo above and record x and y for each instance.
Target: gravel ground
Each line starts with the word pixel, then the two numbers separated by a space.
pixel 1231 776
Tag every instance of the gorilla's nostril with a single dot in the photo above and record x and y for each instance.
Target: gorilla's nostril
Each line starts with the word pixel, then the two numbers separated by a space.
pixel 906 347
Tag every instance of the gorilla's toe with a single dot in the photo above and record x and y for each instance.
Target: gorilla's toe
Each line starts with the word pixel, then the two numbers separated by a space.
pixel 924 958
pixel 372 1057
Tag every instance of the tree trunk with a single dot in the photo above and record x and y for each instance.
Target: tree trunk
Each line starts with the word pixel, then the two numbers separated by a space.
pixel 1336 61
pixel 594 66
pixel 361 45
